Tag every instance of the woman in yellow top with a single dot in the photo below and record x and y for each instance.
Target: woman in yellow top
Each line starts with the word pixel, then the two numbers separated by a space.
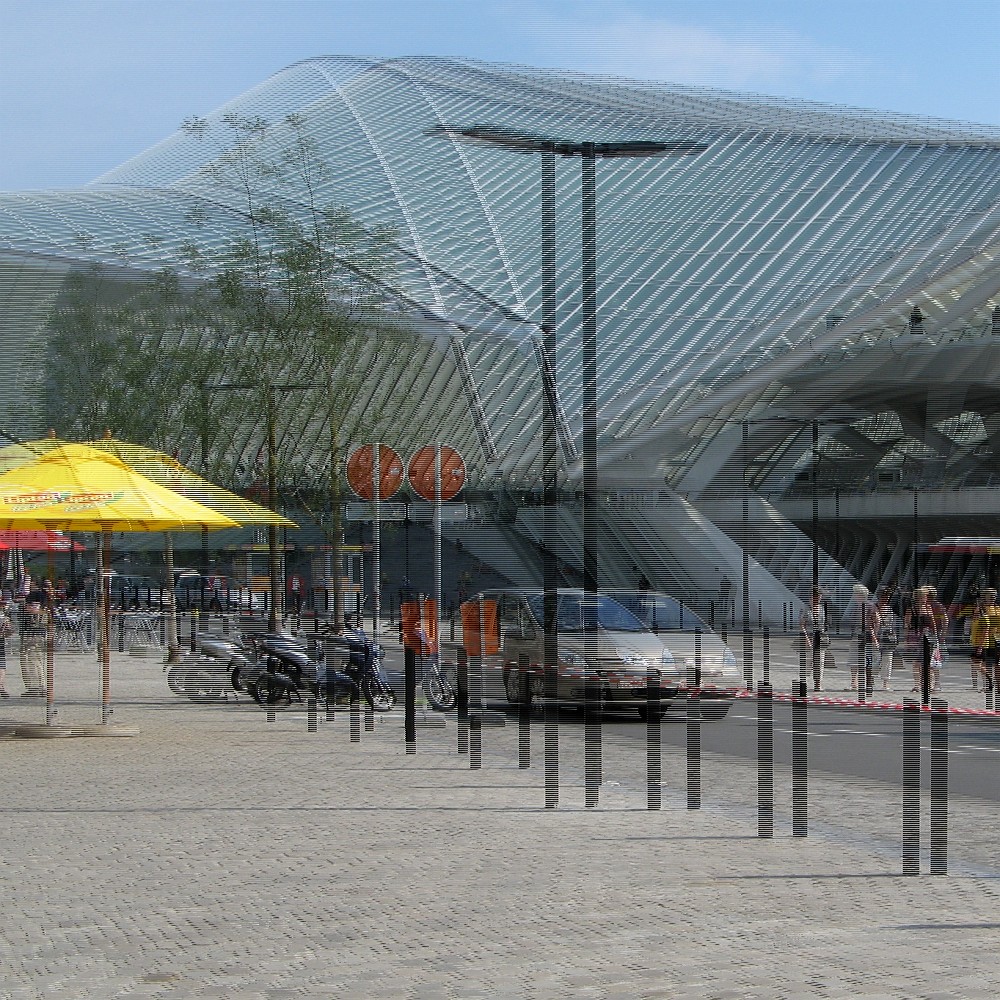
pixel 984 636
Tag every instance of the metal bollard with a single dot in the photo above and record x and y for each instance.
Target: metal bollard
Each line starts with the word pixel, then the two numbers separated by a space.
pixel 765 761
pixel 911 787
pixel 800 761
pixel 939 787
pixel 654 753
pixel 463 701
pixel 693 736
pixel 410 698
pixel 523 712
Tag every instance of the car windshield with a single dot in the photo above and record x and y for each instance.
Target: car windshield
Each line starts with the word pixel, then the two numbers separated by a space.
pixel 574 611
pixel 662 613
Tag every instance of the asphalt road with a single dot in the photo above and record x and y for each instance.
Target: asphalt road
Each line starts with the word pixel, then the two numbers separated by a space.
pixel 861 743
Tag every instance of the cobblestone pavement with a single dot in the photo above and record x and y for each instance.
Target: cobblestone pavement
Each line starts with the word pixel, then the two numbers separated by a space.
pixel 219 855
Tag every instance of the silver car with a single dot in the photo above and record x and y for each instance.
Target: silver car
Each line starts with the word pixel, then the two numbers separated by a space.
pixel 607 658
pixel 693 644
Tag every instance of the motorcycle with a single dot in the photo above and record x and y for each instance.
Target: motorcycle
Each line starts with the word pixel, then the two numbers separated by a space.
pixel 221 660
pixel 281 668
pixel 285 668
pixel 360 658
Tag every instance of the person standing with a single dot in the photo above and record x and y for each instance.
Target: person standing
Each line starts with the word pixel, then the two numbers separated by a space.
pixel 888 637
pixel 814 639
pixel 33 623
pixel 984 637
pixel 941 624
pixel 295 594
pixel 921 624
pixel 6 631
pixel 863 620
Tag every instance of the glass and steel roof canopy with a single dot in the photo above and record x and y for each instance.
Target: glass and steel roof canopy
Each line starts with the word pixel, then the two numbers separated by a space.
pixel 797 229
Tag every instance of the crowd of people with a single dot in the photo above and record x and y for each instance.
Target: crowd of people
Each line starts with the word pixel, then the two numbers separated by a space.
pixel 893 631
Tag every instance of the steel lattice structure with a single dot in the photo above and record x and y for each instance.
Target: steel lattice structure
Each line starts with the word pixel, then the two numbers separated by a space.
pixel 794 246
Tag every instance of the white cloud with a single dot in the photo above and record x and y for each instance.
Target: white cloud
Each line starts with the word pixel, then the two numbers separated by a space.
pixel 738 57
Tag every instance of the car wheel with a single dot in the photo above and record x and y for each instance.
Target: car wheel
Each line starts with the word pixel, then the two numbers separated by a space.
pixel 517 692
pixel 715 711
pixel 646 713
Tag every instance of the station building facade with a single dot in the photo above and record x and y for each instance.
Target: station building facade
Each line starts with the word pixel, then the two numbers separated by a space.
pixel 798 323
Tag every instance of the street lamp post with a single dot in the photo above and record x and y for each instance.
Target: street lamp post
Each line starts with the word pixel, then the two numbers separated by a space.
pixel 548 146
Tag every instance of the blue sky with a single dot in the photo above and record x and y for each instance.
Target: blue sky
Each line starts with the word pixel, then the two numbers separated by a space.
pixel 85 84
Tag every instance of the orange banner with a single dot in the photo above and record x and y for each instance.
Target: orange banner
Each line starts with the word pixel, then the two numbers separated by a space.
pixel 476 614
pixel 420 626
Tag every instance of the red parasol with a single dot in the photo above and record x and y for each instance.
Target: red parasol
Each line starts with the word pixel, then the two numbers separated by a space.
pixel 37 541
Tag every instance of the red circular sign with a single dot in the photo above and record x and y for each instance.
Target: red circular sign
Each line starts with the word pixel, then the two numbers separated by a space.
pixel 361 471
pixel 422 476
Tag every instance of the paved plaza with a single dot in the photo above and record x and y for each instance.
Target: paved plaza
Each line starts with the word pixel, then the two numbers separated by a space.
pixel 221 855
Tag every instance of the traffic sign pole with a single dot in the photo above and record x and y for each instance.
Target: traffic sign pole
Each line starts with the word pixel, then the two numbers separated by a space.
pixel 437 530
pixel 376 538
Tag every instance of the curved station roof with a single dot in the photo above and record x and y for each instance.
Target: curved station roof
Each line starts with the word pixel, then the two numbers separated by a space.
pixel 767 278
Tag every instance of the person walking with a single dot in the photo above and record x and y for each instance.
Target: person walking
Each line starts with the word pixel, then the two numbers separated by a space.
pixel 814 639
pixel 888 638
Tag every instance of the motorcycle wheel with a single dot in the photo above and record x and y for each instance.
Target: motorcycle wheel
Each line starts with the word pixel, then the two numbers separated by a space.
pixel 265 693
pixel 380 696
pixel 439 691
pixel 175 679
pixel 200 685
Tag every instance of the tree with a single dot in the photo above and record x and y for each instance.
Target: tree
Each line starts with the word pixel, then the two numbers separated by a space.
pixel 275 309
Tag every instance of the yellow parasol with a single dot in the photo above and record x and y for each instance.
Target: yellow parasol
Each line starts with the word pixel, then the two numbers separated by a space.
pixel 167 471
pixel 76 488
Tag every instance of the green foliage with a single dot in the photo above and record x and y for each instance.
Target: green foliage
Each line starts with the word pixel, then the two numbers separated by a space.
pixel 190 359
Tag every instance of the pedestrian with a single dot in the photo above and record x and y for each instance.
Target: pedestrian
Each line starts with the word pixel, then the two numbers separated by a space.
pixel 921 631
pixel 814 639
pixel 984 637
pixel 295 594
pixel 33 623
pixel 6 631
pixel 888 637
pixel 862 618
pixel 942 624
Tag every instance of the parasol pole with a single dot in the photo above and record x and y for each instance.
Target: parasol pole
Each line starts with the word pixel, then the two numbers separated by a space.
pixel 173 646
pixel 105 625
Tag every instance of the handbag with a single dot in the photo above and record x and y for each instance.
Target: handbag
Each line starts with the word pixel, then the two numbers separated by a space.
pixel 888 638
